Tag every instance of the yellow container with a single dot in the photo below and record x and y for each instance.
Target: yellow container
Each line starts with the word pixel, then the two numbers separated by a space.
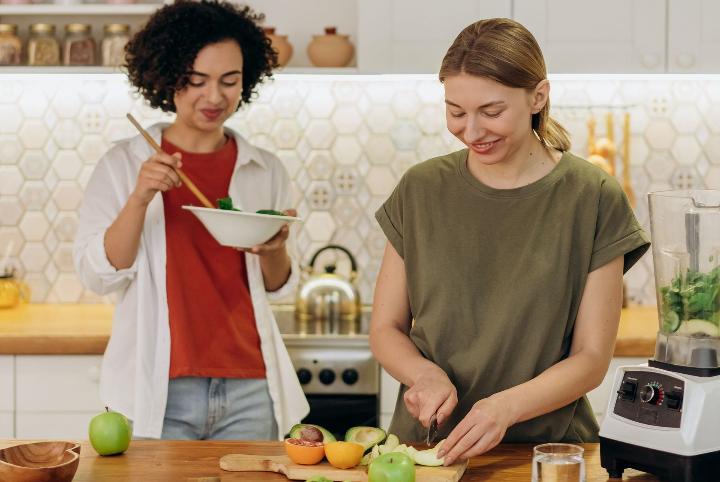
pixel 13 291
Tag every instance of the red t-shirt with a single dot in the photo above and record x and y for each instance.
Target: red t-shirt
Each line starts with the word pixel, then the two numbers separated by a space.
pixel 212 321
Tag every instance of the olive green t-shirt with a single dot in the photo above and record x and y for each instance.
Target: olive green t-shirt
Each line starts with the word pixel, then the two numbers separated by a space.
pixel 495 278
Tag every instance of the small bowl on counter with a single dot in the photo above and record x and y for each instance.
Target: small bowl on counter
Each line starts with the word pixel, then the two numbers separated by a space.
pixel 40 461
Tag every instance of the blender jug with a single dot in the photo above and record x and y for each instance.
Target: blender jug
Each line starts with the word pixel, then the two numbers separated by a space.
pixel 685 229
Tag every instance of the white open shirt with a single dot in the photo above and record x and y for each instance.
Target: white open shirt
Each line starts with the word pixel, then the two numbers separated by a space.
pixel 135 368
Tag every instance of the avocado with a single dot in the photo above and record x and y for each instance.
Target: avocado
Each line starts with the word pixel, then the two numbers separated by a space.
pixel 312 433
pixel 365 436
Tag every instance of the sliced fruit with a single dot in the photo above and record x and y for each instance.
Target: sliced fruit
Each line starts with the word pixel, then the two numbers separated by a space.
pixel 402 448
pixel 698 328
pixel 344 455
pixel 428 457
pixel 391 442
pixel 671 322
pixel 365 436
pixel 304 452
pixel 374 453
pixel 314 433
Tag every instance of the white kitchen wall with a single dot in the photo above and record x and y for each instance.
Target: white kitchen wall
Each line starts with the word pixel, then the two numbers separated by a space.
pixel 345 141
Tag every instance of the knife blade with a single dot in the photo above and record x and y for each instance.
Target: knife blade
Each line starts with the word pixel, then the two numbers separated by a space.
pixel 431 431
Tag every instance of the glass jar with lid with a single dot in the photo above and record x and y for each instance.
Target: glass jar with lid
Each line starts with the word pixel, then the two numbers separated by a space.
pixel 10 45
pixel 79 45
pixel 116 37
pixel 43 48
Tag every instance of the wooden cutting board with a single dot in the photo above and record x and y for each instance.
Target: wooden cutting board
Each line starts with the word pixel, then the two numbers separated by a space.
pixel 283 465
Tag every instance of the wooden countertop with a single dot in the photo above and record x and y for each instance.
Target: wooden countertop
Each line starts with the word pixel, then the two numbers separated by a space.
pixel 85 329
pixel 186 461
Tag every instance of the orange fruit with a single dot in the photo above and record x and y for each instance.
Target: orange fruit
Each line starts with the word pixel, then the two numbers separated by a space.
pixel 344 455
pixel 304 452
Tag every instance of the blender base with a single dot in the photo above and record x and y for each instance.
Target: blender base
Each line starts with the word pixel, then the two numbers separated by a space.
pixel 616 456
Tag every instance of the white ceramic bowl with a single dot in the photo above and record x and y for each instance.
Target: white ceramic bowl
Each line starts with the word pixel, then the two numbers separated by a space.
pixel 239 229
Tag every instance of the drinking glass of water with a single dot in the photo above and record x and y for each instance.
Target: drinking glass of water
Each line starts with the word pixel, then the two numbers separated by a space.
pixel 558 463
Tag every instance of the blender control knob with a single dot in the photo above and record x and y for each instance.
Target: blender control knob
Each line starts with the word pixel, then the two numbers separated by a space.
pixel 350 376
pixel 304 376
pixel 326 376
pixel 649 393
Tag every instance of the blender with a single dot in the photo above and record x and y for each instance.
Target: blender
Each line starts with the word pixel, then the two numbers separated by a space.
pixel 664 416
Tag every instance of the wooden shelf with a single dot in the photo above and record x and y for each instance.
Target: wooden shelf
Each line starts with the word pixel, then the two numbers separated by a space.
pixel 99 9
pixel 99 70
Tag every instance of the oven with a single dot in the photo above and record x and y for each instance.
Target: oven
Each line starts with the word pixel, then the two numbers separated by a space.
pixel 336 370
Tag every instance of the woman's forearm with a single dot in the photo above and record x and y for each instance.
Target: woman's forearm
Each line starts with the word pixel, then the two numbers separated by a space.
pixel 275 269
pixel 398 355
pixel 559 385
pixel 122 238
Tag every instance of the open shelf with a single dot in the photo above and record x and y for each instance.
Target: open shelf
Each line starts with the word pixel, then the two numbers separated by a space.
pixel 50 9
pixel 31 69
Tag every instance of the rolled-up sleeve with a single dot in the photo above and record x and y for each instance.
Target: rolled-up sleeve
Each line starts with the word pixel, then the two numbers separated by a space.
pixel 282 199
pixel 101 205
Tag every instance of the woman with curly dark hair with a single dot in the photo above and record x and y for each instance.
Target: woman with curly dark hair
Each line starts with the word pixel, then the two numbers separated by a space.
pixel 195 352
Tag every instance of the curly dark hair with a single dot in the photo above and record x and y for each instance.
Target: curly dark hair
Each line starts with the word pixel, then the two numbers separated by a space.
pixel 161 54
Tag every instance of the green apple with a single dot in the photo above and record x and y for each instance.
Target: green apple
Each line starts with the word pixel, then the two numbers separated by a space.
pixel 110 433
pixel 392 467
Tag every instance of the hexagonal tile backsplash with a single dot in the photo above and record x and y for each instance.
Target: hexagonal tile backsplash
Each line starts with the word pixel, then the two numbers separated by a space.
pixel 345 140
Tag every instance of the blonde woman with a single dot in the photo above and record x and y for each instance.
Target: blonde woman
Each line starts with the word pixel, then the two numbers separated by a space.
pixel 499 295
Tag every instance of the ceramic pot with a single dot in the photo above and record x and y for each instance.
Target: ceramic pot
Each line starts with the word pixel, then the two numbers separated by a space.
pixel 280 44
pixel 331 49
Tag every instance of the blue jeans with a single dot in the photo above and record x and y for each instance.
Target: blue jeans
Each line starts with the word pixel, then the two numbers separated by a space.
pixel 219 408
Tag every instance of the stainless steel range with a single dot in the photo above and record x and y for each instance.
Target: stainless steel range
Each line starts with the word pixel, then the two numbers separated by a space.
pixel 335 367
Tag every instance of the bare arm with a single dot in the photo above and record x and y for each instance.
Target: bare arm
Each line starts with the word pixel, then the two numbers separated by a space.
pixel 274 258
pixel 592 349
pixel 122 238
pixel 430 389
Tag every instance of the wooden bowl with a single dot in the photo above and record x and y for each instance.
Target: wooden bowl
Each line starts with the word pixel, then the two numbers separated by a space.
pixel 40 462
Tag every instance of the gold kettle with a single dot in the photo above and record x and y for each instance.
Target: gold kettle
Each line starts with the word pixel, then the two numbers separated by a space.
pixel 328 296
pixel 12 290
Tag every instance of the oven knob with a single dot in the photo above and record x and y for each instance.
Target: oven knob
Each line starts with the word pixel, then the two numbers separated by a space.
pixel 304 376
pixel 326 376
pixel 350 376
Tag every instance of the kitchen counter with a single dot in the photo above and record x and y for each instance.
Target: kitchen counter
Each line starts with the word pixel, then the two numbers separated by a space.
pixel 53 329
pixel 186 461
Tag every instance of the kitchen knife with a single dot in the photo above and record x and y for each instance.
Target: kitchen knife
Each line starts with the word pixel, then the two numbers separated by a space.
pixel 431 431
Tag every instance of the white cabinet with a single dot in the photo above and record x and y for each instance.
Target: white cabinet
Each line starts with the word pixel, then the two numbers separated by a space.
pixel 389 388
pixel 56 395
pixel 614 36
pixel 7 396
pixel 7 425
pixel 412 36
pixel 693 36
pixel 601 395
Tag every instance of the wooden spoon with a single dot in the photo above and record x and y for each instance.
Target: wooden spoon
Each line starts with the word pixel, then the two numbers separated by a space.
pixel 186 180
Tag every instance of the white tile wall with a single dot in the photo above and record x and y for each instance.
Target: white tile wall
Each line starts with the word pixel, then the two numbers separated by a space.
pixel 345 141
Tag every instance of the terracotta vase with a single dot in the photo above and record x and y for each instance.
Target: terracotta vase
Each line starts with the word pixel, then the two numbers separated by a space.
pixel 281 45
pixel 331 49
